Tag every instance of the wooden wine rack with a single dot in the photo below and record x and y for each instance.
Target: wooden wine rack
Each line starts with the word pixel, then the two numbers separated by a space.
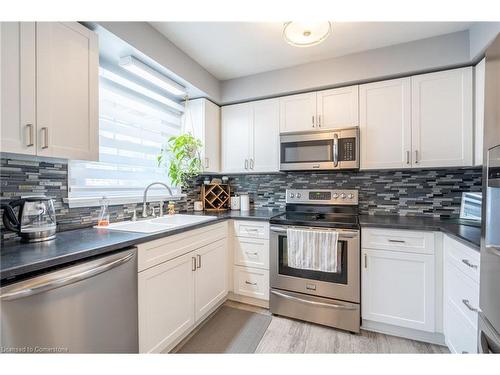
pixel 215 197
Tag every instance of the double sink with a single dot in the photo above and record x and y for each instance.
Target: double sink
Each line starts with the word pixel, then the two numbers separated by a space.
pixel 160 224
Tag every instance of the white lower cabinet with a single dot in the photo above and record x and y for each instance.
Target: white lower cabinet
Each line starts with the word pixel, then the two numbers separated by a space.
pixel 166 303
pixel 251 252
pixel 461 296
pixel 210 277
pixel 251 282
pixel 250 263
pixel 420 285
pixel 399 280
pixel 176 294
pixel 398 288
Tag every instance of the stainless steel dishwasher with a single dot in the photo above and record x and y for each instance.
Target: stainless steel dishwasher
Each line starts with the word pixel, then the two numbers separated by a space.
pixel 89 307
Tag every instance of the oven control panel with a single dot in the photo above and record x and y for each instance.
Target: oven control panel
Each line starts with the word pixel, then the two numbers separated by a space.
pixel 322 196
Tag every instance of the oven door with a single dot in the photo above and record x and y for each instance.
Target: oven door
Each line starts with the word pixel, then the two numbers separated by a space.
pixel 343 285
pixel 338 149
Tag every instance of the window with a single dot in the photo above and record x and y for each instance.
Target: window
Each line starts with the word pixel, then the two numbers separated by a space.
pixel 134 124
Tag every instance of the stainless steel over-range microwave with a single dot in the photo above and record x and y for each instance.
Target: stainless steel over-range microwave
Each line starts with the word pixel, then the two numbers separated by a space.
pixel 325 150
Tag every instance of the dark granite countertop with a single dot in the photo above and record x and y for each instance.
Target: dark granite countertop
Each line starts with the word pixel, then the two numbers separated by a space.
pixel 18 259
pixel 467 234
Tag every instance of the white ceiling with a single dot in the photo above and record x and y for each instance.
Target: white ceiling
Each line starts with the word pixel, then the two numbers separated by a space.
pixel 236 49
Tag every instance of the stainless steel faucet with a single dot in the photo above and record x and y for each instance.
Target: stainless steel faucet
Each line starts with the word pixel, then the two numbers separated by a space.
pixel 144 211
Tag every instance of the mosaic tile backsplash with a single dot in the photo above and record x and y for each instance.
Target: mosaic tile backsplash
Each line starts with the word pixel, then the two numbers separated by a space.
pixel 434 193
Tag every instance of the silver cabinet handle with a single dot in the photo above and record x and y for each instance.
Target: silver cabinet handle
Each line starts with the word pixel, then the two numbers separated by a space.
pixel 65 277
pixel 416 156
pixel 396 241
pixel 335 150
pixel 468 305
pixel 246 163
pixel 193 263
pixel 466 261
pixel 407 157
pixel 207 163
pixel 313 121
pixel 198 262
pixel 45 131
pixel 30 141
pixel 319 121
pixel 250 253
pixel 366 261
pixel 251 163
pixel 249 283
pixel 331 305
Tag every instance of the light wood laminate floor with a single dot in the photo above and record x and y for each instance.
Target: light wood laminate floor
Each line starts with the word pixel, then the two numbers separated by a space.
pixel 292 336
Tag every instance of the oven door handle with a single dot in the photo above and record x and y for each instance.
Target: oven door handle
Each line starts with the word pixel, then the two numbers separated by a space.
pixel 341 234
pixel 315 303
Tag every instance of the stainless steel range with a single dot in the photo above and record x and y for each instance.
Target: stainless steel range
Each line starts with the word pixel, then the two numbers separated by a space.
pixel 330 297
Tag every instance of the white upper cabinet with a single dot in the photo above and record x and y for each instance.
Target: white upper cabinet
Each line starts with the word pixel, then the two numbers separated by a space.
pixel 236 130
pixel 479 71
pixel 298 113
pixel 250 137
pixel 17 87
pixel 337 108
pixel 385 124
pixel 265 139
pixel 204 119
pixel 52 67
pixel 67 91
pixel 321 110
pixel 442 118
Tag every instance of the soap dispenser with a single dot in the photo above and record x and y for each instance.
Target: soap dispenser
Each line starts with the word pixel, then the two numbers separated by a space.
pixel 103 220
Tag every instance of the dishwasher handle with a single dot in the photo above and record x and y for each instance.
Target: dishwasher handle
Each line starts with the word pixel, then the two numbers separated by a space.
pixel 64 277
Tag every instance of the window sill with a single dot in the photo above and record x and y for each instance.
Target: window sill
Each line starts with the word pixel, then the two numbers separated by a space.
pixel 78 202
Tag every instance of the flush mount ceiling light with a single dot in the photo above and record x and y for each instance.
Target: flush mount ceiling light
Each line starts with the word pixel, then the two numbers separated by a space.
pixel 145 72
pixel 306 34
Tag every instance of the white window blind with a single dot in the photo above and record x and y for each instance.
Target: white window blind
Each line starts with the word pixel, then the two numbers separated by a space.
pixel 132 131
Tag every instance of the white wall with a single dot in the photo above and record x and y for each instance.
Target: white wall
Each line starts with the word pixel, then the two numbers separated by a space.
pixel 149 41
pixel 481 34
pixel 435 53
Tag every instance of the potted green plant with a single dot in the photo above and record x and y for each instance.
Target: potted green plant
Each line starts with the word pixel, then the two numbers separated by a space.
pixel 183 152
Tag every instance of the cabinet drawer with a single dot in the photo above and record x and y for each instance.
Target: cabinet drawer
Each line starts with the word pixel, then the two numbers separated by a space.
pixel 463 257
pixel 407 241
pixel 251 282
pixel 251 229
pixel 462 292
pixel 159 251
pixel 460 335
pixel 251 252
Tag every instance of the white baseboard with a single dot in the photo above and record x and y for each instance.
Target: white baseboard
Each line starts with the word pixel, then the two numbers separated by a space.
pixel 407 333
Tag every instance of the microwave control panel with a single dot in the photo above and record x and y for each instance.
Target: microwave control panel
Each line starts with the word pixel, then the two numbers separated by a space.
pixel 347 149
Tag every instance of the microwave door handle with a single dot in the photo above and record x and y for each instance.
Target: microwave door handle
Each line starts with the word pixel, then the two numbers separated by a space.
pixel 335 150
